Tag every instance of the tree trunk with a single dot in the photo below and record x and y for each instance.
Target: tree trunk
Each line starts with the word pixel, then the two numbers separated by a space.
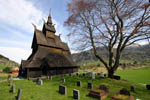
pixel 111 72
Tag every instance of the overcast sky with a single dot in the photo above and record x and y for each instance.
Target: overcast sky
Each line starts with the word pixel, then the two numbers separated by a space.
pixel 16 30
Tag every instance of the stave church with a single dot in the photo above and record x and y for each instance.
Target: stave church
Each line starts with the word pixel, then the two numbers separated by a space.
pixel 50 56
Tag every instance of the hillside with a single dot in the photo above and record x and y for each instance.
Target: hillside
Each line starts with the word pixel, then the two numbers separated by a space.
pixel 6 62
pixel 134 53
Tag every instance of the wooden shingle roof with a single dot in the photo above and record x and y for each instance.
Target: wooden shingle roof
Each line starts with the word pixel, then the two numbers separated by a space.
pixel 51 58
pixel 41 39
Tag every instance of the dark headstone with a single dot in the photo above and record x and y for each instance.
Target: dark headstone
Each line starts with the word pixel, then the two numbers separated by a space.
pixel 124 92
pixel 76 94
pixel 77 74
pixel 83 74
pixel 90 86
pixel 105 75
pixel 19 94
pixel 148 87
pixel 13 89
pixel 116 77
pixel 78 83
pixel 132 88
pixel 62 89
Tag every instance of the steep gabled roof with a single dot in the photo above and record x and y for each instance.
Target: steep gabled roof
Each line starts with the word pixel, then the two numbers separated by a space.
pixel 41 39
pixel 51 58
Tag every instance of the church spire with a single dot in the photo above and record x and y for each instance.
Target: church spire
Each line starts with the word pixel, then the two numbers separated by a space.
pixel 49 21
pixel 49 26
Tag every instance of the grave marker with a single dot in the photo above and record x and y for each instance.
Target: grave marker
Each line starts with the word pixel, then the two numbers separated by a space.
pixel 77 74
pixel 40 82
pixel 90 86
pixel 62 89
pixel 19 94
pixel 101 75
pixel 76 94
pixel 148 87
pixel 93 75
pixel 116 77
pixel 132 89
pixel 83 74
pixel 78 83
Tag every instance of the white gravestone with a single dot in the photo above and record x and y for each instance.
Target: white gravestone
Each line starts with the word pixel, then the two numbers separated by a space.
pixel 93 75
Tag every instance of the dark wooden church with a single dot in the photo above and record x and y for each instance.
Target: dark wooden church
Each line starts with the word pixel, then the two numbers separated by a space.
pixel 50 56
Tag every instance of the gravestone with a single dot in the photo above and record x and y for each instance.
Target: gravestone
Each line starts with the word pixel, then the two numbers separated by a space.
pixel 83 74
pixel 76 94
pixel 13 89
pixel 78 83
pixel 148 87
pixel 123 95
pixel 90 86
pixel 101 75
pixel 77 74
pixel 105 75
pixel 93 75
pixel 63 80
pixel 116 77
pixel 62 89
pixel 19 94
pixel 132 89
pixel 40 82
pixel 124 92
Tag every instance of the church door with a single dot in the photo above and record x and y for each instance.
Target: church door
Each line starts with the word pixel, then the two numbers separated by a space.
pixel 44 70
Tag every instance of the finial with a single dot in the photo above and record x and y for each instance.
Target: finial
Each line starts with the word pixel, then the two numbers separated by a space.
pixel 50 12
pixel 34 25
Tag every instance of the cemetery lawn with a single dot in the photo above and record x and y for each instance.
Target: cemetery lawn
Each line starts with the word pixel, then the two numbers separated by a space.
pixel 49 89
pixel 137 75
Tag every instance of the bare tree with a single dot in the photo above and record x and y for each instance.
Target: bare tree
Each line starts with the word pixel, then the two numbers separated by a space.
pixel 113 24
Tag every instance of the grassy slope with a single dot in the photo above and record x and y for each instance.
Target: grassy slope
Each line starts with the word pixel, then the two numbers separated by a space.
pixel 138 75
pixel 49 90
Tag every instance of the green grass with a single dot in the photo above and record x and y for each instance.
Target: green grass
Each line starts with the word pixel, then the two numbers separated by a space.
pixel 138 75
pixel 49 90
